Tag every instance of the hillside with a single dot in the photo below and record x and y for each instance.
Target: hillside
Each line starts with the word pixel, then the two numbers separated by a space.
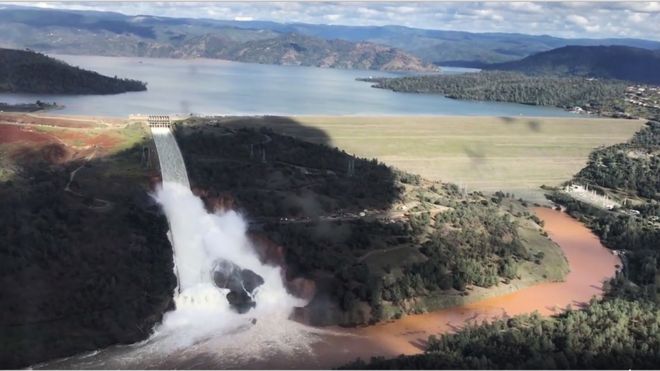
pixel 293 49
pixel 117 34
pixel 29 72
pixel 111 34
pixel 603 97
pixel 565 92
pixel 84 257
pixel 367 244
pixel 608 62
pixel 619 331
pixel 632 167
pixel 447 48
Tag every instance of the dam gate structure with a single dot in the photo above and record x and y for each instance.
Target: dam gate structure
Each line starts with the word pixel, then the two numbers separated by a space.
pixel 155 121
pixel 172 166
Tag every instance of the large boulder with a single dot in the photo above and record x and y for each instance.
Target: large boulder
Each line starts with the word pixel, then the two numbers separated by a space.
pixel 240 282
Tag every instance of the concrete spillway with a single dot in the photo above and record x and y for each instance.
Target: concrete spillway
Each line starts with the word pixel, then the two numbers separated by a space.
pixel 172 167
pixel 192 267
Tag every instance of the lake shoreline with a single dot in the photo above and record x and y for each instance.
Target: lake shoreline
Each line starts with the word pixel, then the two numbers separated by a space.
pixel 216 86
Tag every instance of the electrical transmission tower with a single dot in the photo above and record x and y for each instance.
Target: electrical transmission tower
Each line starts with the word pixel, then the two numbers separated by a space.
pixel 351 167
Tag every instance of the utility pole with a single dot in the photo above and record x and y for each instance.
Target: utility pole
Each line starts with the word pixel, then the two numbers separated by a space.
pixel 351 166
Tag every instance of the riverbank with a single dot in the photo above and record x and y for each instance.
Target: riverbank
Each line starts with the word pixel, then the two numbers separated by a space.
pixel 591 264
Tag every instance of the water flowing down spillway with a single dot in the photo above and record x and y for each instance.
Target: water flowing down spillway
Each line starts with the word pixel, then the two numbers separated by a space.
pixel 204 244
pixel 172 167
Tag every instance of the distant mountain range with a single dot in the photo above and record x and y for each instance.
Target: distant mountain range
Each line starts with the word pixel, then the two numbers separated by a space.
pixel 372 47
pixel 113 34
pixel 607 62
pixel 29 72
pixel 466 49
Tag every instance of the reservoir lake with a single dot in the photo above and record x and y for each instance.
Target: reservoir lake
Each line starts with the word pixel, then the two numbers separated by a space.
pixel 217 87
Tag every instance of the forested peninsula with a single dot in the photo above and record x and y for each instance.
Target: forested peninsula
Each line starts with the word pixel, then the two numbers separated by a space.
pixel 610 98
pixel 25 71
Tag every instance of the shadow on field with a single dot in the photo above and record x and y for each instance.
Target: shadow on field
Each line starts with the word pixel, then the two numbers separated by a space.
pixel 311 207
pixel 477 155
pixel 277 167
pixel 532 124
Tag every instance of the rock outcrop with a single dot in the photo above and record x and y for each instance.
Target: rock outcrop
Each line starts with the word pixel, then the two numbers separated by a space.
pixel 240 282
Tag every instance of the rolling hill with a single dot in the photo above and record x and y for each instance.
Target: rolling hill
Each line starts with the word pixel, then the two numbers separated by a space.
pixel 447 48
pixel 23 71
pixel 113 34
pixel 106 33
pixel 608 62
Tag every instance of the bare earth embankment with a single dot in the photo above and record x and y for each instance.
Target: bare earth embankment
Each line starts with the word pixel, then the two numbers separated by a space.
pixel 481 153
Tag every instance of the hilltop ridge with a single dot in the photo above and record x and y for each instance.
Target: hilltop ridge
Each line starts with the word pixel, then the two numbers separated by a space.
pixel 608 62
pixel 25 71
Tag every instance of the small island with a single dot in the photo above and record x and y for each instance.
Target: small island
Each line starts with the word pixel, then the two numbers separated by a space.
pixel 28 107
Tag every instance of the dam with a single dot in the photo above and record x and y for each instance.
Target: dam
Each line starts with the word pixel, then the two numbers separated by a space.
pixel 172 167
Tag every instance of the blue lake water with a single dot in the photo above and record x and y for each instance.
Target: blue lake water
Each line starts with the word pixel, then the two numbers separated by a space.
pixel 203 86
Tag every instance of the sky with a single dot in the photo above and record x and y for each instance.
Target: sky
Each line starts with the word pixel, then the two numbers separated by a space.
pixel 563 19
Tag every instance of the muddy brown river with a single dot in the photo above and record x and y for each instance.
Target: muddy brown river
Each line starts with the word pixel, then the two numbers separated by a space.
pixel 590 263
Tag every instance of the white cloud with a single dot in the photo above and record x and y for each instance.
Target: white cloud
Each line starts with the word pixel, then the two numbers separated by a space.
pixel 332 17
pixel 638 17
pixel 578 20
pixel 563 19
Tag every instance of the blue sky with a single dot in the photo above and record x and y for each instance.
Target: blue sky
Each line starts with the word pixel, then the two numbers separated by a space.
pixel 565 19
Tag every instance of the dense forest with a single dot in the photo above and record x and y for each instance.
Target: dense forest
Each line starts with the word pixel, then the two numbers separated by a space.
pixel 605 62
pixel 620 331
pixel 24 71
pixel 633 166
pixel 76 275
pixel 345 227
pixel 614 334
pixel 565 92
pixel 631 169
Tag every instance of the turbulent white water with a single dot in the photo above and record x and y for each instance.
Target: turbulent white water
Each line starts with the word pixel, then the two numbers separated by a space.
pixel 203 330
pixel 200 239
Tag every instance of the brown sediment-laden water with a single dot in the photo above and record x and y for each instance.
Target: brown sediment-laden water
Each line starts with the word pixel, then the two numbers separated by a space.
pixel 590 265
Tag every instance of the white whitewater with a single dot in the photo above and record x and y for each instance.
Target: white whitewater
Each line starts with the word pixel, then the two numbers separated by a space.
pixel 203 331
pixel 203 315
pixel 200 238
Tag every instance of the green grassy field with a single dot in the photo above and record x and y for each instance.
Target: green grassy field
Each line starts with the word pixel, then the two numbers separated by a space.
pixel 482 153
